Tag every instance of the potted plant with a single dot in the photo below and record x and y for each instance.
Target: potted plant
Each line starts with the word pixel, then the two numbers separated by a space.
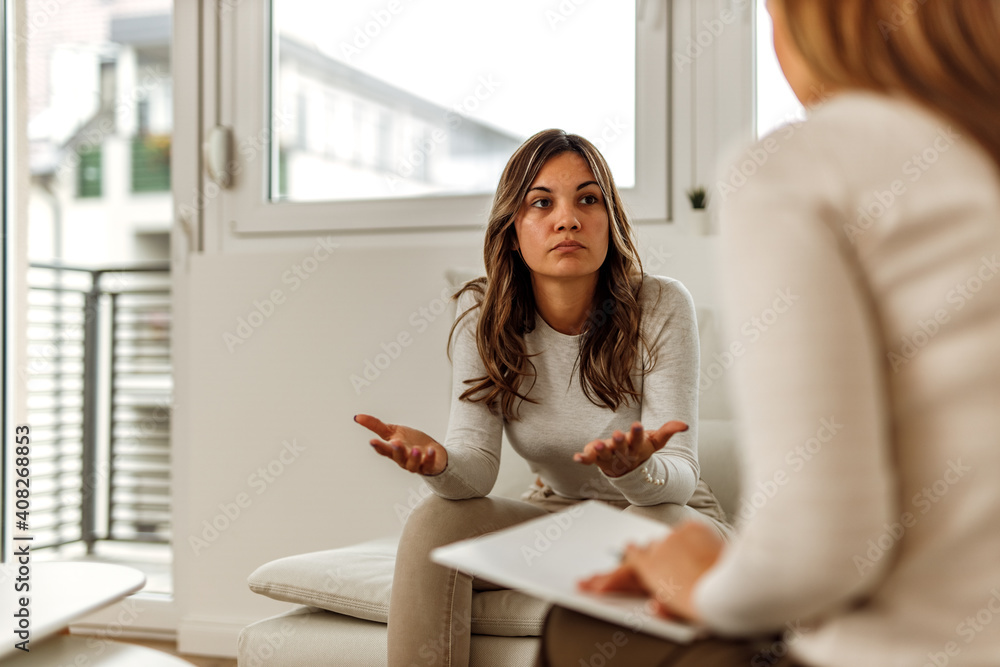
pixel 699 211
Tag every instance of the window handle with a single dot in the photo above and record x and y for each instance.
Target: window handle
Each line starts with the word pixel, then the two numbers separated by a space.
pixel 653 11
pixel 218 154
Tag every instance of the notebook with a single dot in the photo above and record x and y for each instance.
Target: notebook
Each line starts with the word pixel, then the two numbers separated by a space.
pixel 547 556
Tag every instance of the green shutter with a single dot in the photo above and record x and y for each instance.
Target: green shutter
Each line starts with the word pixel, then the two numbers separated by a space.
pixel 151 164
pixel 88 173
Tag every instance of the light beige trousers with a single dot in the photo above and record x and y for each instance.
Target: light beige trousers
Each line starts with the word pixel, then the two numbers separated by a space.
pixel 430 609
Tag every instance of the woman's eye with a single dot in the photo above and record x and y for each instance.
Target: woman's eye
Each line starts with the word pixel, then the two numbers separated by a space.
pixel 589 199
pixel 541 203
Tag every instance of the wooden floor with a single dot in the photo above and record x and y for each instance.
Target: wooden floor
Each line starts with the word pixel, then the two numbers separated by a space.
pixel 171 648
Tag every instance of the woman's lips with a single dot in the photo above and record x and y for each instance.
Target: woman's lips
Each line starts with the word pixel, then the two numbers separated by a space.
pixel 568 246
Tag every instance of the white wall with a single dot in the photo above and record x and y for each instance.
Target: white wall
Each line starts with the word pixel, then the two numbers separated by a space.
pixel 291 379
pixel 290 383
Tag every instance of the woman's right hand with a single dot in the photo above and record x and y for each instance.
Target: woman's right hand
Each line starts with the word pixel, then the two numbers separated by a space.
pixel 411 449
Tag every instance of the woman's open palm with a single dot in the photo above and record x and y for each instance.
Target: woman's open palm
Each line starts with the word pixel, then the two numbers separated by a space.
pixel 411 449
pixel 624 452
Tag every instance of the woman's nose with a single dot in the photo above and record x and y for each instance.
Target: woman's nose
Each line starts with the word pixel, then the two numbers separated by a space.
pixel 566 219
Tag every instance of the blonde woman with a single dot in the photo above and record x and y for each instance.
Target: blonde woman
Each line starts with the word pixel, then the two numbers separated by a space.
pixel 881 214
pixel 589 367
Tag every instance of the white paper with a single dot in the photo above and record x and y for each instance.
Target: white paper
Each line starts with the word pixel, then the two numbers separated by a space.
pixel 548 556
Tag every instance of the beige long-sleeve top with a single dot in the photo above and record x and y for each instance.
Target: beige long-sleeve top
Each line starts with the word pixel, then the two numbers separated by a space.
pixel 869 410
pixel 547 433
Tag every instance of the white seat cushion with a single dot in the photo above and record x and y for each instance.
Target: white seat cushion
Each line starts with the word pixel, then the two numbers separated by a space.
pixel 356 581
pixel 309 637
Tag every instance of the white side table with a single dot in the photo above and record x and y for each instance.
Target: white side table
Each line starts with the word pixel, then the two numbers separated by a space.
pixel 61 593
pixel 73 650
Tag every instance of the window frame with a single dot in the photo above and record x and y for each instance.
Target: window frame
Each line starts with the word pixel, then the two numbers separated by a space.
pixel 245 62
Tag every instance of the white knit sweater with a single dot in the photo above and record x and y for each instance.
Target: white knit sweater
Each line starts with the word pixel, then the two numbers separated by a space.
pixel 563 420
pixel 869 412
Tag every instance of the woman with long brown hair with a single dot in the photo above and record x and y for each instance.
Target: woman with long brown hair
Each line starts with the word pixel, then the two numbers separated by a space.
pixel 872 406
pixel 568 349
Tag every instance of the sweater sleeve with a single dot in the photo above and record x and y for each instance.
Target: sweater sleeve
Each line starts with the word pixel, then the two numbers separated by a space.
pixel 474 433
pixel 669 392
pixel 809 396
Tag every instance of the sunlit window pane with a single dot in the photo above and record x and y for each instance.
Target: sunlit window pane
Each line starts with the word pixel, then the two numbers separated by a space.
pixel 95 328
pixel 377 98
pixel 100 118
pixel 776 103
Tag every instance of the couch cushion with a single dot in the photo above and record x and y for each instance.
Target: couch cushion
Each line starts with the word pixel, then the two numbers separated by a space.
pixel 719 458
pixel 356 580
pixel 307 637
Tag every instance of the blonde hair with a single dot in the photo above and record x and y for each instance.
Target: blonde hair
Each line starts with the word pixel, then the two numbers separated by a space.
pixel 610 341
pixel 944 54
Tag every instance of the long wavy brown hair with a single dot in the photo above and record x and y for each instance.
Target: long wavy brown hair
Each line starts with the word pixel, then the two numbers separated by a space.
pixel 611 340
pixel 944 54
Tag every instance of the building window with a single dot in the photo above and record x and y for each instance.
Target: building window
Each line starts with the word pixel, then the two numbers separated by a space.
pixel 88 182
pixel 151 163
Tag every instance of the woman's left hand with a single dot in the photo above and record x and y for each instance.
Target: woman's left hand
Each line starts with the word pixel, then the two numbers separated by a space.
pixel 667 570
pixel 623 453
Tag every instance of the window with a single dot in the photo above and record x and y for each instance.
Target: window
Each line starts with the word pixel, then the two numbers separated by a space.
pixel 775 102
pixel 403 116
pixel 151 163
pixel 90 338
pixel 88 176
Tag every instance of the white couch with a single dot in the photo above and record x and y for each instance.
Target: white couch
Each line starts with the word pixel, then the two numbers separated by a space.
pixel 344 593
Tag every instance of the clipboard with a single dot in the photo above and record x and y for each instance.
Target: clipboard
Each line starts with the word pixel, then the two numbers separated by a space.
pixel 547 556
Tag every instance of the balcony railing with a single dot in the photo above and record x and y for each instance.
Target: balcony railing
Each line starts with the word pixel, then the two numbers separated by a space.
pixel 99 402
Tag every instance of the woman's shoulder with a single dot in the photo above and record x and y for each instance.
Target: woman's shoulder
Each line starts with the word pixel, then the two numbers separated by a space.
pixel 660 297
pixel 842 121
pixel 865 109
pixel 851 145
pixel 470 294
pixel 849 130
pixel 467 298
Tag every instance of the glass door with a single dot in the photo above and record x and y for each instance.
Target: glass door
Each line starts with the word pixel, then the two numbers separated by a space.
pixel 93 272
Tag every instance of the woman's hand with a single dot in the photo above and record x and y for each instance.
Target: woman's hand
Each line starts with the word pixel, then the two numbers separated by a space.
pixel 411 449
pixel 622 453
pixel 667 570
